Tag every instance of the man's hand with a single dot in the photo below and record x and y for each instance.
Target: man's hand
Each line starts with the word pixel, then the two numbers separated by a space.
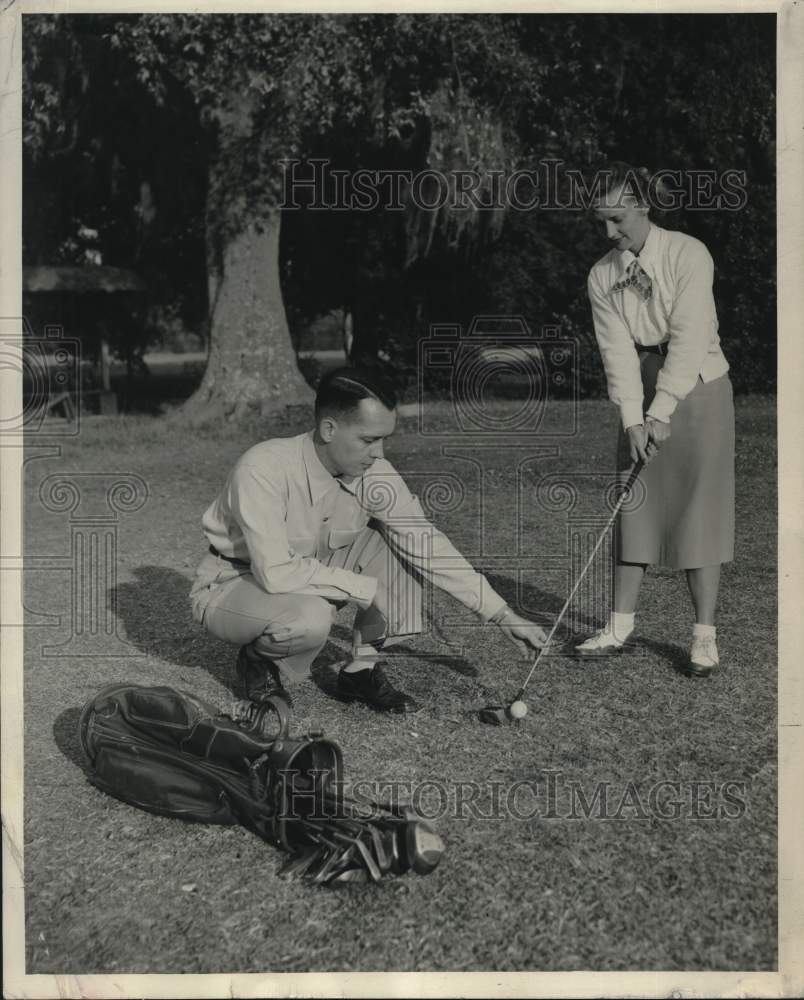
pixel 524 634
pixel 287 633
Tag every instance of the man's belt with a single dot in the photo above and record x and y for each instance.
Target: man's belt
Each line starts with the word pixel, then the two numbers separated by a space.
pixel 653 348
pixel 229 559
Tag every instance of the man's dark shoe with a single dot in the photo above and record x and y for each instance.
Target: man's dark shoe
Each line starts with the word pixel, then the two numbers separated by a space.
pixel 372 687
pixel 259 678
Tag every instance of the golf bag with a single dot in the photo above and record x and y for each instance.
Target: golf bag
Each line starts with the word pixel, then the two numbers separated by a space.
pixel 171 753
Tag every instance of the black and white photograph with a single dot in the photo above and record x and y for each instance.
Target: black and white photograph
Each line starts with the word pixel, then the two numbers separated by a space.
pixel 401 542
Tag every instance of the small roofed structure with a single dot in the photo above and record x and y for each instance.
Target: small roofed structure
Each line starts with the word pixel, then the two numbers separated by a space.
pixel 92 303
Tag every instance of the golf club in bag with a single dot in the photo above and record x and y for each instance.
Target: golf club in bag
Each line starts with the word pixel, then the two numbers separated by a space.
pixel 497 715
pixel 171 753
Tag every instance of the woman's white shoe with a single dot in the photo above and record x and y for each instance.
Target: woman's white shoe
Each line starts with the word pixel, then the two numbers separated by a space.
pixel 603 643
pixel 703 655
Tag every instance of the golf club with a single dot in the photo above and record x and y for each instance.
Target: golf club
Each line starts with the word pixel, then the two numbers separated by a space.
pixel 497 715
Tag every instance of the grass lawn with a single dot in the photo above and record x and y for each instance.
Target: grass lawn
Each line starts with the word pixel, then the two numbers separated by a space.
pixel 113 889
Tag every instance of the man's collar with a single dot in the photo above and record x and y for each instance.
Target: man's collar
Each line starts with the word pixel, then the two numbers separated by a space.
pixel 351 485
pixel 319 479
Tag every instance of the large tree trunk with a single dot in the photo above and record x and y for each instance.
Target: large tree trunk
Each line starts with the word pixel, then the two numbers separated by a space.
pixel 252 365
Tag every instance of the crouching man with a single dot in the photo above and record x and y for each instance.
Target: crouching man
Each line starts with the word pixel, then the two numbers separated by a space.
pixel 306 524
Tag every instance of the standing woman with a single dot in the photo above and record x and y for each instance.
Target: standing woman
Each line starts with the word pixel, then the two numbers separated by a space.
pixel 656 327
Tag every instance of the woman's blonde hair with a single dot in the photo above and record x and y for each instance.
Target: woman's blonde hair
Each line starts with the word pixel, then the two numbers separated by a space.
pixel 636 182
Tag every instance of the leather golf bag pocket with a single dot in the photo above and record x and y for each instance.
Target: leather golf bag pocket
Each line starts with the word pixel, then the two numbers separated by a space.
pixel 172 753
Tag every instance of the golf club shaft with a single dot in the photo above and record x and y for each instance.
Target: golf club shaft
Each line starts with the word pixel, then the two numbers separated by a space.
pixel 636 468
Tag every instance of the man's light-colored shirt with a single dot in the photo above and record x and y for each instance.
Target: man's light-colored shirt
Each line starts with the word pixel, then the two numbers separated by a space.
pixel 283 511
pixel 681 308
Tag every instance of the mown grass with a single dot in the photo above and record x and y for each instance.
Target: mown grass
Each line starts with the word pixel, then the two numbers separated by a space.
pixel 104 880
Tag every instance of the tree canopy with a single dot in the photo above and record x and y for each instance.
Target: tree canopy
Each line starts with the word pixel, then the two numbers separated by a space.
pixel 161 142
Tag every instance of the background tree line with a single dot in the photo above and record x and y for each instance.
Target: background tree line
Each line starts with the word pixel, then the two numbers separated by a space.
pixel 155 142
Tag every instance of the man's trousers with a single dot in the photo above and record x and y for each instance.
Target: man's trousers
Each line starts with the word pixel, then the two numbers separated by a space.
pixel 232 606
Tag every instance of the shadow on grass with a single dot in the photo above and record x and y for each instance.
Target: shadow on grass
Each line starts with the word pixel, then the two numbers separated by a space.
pixel 324 672
pixel 65 736
pixel 550 605
pixel 676 656
pixel 155 610
pixel 454 661
pixel 526 599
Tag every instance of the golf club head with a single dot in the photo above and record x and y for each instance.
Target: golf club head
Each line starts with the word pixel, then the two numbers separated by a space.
pixel 393 838
pixel 350 875
pixel 423 847
pixel 369 861
pixel 299 864
pixel 383 856
pixel 333 861
pixel 494 715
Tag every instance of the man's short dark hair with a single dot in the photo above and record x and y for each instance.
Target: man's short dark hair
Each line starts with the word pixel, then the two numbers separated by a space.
pixel 340 391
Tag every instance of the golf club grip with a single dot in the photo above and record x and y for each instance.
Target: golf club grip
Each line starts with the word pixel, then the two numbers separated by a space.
pixel 633 474
pixel 636 468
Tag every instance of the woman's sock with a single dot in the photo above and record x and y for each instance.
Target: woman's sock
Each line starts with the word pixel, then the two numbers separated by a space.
pixel 621 625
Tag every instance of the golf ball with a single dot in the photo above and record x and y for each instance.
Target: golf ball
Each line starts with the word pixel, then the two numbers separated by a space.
pixel 518 710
